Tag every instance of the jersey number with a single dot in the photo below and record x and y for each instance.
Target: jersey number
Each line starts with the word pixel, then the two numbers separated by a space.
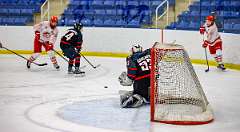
pixel 145 64
pixel 69 36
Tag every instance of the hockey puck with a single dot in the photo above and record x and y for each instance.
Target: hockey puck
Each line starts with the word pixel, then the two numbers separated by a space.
pixel 105 86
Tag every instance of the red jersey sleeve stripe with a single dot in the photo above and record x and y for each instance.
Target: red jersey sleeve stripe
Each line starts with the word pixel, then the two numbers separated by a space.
pixel 130 75
pixel 64 42
pixel 132 69
pixel 141 77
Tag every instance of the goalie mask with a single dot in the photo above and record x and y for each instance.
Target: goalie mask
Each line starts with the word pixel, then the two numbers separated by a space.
pixel 136 48
pixel 78 26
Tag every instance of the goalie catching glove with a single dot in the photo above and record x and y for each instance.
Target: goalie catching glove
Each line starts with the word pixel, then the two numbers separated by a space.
pixel 124 80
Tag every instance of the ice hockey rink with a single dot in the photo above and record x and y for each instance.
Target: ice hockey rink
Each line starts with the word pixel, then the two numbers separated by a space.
pixel 42 99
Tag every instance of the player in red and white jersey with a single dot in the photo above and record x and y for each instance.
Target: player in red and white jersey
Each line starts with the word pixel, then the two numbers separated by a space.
pixel 46 34
pixel 213 41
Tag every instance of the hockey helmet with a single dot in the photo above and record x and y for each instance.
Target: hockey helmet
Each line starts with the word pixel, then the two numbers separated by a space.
pixel 210 18
pixel 136 48
pixel 78 26
pixel 54 19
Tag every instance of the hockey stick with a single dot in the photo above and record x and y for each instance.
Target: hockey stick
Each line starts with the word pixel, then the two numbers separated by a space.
pixel 43 64
pixel 66 59
pixel 206 61
pixel 89 61
pixel 60 55
pixel 205 49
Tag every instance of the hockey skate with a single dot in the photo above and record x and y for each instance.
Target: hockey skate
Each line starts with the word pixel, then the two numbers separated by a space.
pixel 70 70
pixel 56 66
pixel 28 64
pixel 221 66
pixel 78 72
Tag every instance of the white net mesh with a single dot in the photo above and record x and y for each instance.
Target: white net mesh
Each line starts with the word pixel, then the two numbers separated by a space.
pixel 178 95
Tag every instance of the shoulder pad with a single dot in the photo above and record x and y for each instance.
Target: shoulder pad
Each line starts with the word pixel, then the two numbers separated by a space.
pixel 72 30
pixel 135 56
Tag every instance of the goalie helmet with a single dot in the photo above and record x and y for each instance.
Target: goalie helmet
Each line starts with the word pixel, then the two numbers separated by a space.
pixel 136 48
pixel 78 26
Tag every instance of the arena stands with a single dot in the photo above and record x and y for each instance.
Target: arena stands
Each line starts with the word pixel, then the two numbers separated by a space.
pixel 18 12
pixel 110 13
pixel 126 13
pixel 227 12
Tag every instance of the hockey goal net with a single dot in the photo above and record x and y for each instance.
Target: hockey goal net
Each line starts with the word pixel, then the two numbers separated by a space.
pixel 177 96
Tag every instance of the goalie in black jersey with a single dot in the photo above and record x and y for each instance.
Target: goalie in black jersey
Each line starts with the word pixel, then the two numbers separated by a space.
pixel 71 44
pixel 138 74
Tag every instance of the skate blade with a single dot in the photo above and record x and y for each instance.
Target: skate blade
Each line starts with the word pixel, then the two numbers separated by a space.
pixel 221 70
pixel 79 75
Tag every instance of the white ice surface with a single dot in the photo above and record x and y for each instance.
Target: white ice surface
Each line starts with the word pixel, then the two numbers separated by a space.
pixel 43 99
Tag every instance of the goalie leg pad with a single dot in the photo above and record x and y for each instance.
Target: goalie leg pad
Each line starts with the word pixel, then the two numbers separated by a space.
pixel 132 101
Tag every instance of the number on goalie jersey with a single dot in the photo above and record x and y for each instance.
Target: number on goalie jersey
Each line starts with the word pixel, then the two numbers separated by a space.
pixel 138 70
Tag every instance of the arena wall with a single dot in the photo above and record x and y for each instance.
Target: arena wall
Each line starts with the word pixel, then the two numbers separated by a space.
pixel 117 41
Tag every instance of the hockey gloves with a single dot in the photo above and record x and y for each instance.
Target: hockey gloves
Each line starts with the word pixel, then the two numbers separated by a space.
pixel 124 80
pixel 78 47
pixel 202 30
pixel 77 50
pixel 37 35
pixel 205 44
pixel 49 46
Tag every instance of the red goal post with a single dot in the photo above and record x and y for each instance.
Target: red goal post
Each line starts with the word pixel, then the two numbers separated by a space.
pixel 176 95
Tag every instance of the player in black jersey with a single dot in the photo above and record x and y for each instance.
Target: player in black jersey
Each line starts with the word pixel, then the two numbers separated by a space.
pixel 71 44
pixel 138 74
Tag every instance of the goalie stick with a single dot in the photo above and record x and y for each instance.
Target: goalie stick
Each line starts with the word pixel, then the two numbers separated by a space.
pixel 123 92
pixel 89 61
pixel 42 64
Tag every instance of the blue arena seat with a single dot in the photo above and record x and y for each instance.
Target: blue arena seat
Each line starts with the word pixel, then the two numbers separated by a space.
pixel 26 11
pixel 19 12
pixel 98 22
pixel 20 21
pixel 135 23
pixel 120 3
pixel 132 4
pixel 97 4
pixel 120 23
pixel 14 11
pixel 109 23
pixel 100 12
pixel 108 4
pixel 87 22
pixel 111 12
pixel 3 11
